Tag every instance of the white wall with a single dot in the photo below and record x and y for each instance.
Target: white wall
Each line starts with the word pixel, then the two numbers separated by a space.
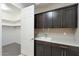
pixel 11 19
pixel 7 31
pixel 13 16
pixel 10 35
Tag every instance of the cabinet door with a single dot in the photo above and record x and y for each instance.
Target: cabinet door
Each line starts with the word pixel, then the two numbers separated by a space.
pixel 39 50
pixel 42 49
pixel 47 50
pixel 71 51
pixel 39 18
pixel 70 17
pixel 57 51
pixel 48 20
pixel 57 19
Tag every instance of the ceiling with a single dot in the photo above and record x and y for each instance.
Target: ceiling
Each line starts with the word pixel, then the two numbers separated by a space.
pixel 18 6
pixel 15 7
pixel 22 5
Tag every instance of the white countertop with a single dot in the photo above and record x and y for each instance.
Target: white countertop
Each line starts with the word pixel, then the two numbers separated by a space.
pixel 59 41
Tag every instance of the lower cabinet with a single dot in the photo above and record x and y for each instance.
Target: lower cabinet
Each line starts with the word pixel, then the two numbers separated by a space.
pixel 51 49
pixel 56 51
pixel 71 51
pixel 42 49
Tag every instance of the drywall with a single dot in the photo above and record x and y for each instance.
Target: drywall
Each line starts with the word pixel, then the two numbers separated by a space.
pixel 11 16
pixel 11 19
pixel 10 35
pixel 50 6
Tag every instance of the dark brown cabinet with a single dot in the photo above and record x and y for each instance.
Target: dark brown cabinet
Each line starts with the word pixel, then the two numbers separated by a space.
pixel 71 51
pixel 56 51
pixel 39 21
pixel 43 20
pixel 57 19
pixel 48 20
pixel 52 49
pixel 69 17
pixel 65 17
pixel 64 50
pixel 42 48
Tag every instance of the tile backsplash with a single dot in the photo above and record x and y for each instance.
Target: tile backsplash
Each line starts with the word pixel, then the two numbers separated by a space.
pixel 58 33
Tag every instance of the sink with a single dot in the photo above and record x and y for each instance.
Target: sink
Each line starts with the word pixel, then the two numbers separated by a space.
pixel 44 38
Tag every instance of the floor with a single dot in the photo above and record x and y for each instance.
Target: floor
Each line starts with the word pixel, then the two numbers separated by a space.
pixel 13 49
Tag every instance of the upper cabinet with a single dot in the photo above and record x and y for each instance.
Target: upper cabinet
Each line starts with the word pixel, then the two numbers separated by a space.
pixel 48 20
pixel 39 21
pixel 70 17
pixel 65 17
pixel 57 19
